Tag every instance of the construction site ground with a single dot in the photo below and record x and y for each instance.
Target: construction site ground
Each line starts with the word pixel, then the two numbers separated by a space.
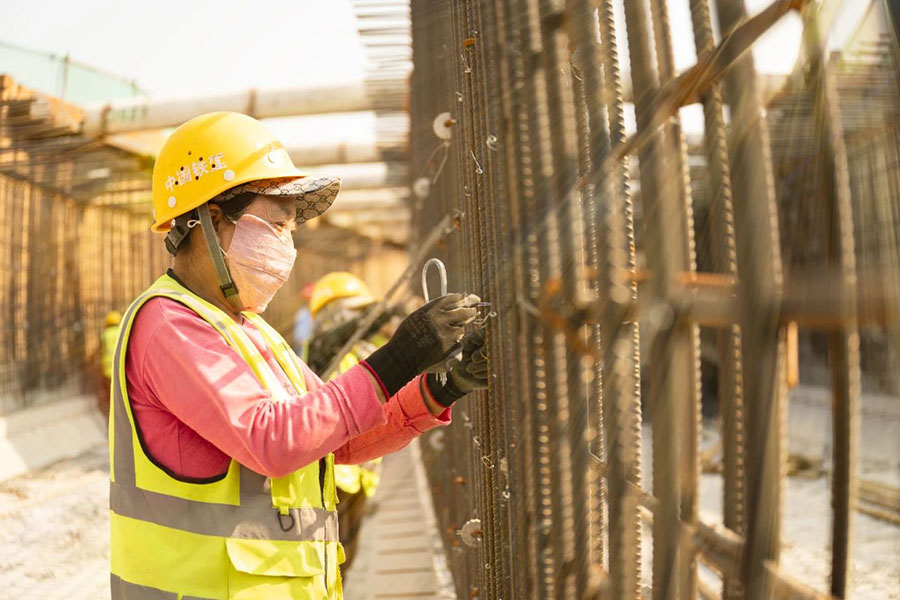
pixel 54 533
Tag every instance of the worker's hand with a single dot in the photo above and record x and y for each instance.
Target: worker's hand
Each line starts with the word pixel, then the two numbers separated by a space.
pixel 467 374
pixel 426 337
pixel 436 329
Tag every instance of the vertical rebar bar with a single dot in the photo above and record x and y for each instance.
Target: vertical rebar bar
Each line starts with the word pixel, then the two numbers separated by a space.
pixel 670 348
pixel 593 139
pixel 568 399
pixel 721 214
pixel 522 141
pixel 468 269
pixel 501 284
pixel 619 337
pixel 689 411
pixel 759 266
pixel 833 186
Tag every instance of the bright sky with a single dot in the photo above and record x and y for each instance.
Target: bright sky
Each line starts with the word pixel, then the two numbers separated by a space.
pixel 174 47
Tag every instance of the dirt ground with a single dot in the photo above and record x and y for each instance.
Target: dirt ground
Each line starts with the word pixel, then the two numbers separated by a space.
pixel 54 531
pixel 806 539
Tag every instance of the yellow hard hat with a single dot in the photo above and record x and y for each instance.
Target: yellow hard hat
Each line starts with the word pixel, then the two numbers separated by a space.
pixel 339 284
pixel 218 151
pixel 113 317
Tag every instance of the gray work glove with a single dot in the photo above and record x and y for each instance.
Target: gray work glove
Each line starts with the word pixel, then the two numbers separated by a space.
pixel 424 338
pixel 467 374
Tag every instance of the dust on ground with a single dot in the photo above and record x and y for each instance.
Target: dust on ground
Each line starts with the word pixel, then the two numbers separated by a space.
pixel 54 531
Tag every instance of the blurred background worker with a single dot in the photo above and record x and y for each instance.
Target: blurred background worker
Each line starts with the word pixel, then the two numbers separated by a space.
pixel 107 348
pixel 223 442
pixel 338 302
pixel 303 323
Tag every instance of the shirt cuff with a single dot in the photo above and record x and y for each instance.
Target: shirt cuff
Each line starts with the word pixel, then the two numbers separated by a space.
pixel 383 387
pixel 415 410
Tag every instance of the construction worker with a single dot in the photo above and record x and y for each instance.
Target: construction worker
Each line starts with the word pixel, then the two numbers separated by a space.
pixel 303 323
pixel 338 299
pixel 222 441
pixel 107 345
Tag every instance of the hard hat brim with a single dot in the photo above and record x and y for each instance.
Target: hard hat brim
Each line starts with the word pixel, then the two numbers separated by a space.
pixel 313 195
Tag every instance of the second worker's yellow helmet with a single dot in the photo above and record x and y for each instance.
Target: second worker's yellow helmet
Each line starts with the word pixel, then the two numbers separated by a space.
pixel 339 284
pixel 219 151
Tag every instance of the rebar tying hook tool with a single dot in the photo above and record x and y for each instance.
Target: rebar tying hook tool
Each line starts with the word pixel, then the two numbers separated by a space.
pixel 442 270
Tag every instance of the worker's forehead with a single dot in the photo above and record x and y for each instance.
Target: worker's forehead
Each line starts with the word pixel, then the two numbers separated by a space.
pixel 273 207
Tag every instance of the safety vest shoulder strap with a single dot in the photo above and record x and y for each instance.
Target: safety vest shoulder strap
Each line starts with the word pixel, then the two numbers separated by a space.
pixel 167 287
pixel 283 352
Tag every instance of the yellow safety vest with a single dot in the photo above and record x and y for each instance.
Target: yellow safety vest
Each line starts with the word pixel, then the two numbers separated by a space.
pixel 239 536
pixel 108 342
pixel 367 476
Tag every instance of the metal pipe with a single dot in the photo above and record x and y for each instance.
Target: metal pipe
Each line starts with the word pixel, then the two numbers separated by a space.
pixel 362 176
pixel 137 114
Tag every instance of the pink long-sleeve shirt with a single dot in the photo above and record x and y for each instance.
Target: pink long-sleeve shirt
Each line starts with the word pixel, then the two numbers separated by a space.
pixel 198 404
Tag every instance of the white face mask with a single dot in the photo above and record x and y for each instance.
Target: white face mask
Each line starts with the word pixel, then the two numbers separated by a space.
pixel 260 260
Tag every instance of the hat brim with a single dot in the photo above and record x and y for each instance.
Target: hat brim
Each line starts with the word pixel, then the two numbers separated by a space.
pixel 314 195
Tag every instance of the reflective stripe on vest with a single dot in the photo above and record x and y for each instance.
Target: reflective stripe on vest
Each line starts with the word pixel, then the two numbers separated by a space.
pixel 123 589
pixel 239 536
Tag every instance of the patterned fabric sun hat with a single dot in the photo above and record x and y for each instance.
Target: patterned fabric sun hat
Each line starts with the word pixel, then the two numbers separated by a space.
pixel 314 195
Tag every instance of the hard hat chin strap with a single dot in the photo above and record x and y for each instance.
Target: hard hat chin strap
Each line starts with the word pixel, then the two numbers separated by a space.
pixel 226 284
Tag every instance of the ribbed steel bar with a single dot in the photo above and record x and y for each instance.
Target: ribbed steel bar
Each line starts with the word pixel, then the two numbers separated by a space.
pixel 467 266
pixel 721 213
pixel 474 69
pixel 450 452
pixel 689 411
pixel 520 137
pixel 568 399
pixel 593 133
pixel 670 348
pixel 500 285
pixel 833 185
pixel 759 266
pixel 619 337
pixel 542 265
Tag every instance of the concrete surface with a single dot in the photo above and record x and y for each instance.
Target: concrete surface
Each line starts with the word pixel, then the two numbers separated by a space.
pixel 399 554
pixel 38 436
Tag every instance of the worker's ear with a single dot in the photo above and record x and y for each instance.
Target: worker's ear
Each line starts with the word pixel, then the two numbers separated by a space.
pixel 215 214
pixel 224 228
